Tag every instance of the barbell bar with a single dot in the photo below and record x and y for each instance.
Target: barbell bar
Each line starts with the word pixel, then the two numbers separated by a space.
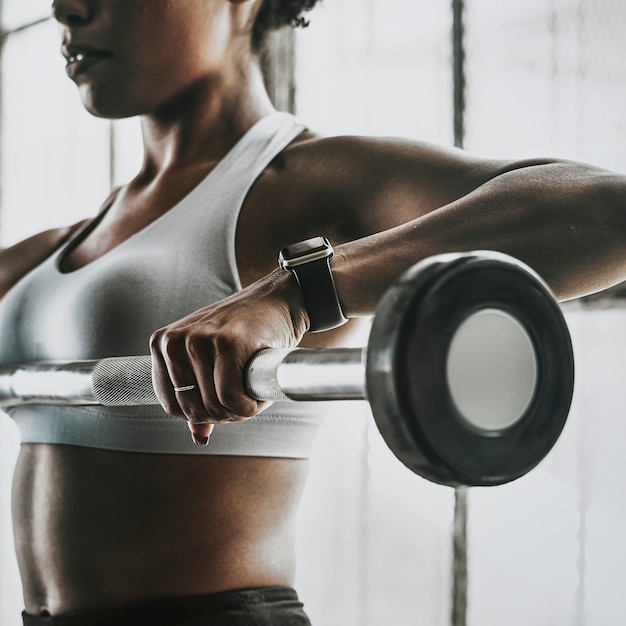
pixel 468 369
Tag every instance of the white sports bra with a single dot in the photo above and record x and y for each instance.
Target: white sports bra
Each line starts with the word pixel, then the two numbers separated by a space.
pixel 177 264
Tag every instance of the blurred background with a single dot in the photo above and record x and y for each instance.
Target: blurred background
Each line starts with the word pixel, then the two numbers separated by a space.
pixel 377 544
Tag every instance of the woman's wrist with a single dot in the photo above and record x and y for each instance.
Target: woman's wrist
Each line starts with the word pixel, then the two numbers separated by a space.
pixel 285 286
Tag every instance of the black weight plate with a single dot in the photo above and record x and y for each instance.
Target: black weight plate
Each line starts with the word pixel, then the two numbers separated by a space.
pixel 407 356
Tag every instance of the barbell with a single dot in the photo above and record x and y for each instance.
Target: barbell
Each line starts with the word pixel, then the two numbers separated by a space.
pixel 468 370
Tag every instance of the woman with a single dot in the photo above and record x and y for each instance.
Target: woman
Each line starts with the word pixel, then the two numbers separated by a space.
pixel 119 518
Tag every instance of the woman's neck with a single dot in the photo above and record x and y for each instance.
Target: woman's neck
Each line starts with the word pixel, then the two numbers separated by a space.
pixel 204 122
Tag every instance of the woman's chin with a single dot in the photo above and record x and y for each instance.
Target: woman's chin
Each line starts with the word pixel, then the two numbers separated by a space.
pixel 104 105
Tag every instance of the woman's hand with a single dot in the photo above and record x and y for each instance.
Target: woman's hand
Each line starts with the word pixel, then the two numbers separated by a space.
pixel 198 362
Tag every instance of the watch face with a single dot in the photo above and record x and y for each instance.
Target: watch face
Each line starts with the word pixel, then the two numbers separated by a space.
pixel 312 246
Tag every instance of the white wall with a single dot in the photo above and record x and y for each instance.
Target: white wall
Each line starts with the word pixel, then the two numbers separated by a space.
pixel 548 78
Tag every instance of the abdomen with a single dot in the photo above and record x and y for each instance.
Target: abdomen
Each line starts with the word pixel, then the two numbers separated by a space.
pixel 96 528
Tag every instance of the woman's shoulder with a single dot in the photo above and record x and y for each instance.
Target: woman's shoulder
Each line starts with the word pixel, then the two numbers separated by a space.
pixel 379 165
pixel 359 151
pixel 377 182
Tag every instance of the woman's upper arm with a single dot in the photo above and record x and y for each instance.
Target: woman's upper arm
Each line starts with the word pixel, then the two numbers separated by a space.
pixel 347 188
pixel 388 182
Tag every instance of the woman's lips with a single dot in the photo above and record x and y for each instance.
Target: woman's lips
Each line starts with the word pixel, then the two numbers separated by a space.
pixel 81 59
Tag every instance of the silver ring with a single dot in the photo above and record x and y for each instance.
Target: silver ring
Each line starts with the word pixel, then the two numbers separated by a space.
pixel 186 388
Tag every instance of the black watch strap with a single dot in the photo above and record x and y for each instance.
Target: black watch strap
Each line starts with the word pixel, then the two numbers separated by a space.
pixel 319 294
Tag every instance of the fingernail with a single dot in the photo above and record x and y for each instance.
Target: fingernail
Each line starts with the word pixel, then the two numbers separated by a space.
pixel 199 440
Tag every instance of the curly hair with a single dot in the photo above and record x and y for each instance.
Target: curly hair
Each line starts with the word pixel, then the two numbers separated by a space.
pixel 275 14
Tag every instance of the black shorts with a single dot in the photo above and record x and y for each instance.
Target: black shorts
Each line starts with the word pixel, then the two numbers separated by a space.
pixel 263 606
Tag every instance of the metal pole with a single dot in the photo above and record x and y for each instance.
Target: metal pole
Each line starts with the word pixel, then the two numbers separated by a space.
pixel 458 71
pixel 459 565
pixel 300 375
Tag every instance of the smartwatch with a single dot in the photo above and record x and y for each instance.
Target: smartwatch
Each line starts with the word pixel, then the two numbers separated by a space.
pixel 309 261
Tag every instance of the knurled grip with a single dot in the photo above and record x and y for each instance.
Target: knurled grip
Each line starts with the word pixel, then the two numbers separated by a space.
pixel 124 381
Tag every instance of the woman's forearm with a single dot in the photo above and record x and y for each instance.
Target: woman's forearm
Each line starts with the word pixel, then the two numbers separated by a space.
pixel 567 221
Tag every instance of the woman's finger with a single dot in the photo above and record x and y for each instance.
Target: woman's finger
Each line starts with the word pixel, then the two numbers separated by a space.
pixel 228 377
pixel 161 380
pixel 181 358
pixel 200 433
